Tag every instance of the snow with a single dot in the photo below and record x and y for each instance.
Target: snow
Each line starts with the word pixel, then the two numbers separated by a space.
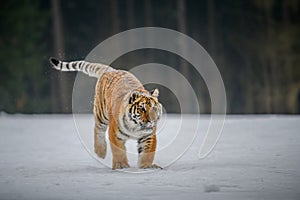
pixel 257 157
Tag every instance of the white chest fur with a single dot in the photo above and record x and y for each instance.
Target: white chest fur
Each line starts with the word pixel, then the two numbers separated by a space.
pixel 131 130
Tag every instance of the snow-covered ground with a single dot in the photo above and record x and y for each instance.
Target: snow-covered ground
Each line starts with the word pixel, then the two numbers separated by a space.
pixel 257 157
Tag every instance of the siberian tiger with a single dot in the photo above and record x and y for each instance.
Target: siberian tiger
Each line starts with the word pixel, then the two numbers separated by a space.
pixel 122 104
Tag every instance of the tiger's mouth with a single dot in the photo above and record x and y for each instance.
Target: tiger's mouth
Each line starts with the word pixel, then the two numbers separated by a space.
pixel 148 125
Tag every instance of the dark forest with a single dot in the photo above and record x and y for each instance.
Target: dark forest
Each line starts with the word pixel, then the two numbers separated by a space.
pixel 255 45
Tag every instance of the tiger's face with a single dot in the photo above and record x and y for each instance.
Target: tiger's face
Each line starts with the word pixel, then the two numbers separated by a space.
pixel 145 110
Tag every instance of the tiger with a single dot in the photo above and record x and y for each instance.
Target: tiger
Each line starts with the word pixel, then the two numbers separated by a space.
pixel 124 107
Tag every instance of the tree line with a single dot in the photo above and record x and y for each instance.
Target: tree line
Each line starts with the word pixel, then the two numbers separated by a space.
pixel 254 43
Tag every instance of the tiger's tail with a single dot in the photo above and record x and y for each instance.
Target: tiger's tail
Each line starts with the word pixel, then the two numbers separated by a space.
pixel 91 69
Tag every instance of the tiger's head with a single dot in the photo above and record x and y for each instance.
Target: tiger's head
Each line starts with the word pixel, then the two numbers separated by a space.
pixel 144 109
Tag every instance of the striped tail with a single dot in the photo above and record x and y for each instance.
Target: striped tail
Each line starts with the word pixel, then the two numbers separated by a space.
pixel 91 69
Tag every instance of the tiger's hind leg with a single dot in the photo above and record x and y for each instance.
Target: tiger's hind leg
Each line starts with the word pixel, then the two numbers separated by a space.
pixel 101 123
pixel 146 150
pixel 99 139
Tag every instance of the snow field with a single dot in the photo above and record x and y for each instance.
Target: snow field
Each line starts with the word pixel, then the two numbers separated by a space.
pixel 256 157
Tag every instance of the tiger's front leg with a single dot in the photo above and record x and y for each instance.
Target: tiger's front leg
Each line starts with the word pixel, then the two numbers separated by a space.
pixel 118 148
pixel 146 150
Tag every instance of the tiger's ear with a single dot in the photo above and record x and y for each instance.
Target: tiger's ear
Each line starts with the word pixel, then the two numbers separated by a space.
pixel 154 93
pixel 133 96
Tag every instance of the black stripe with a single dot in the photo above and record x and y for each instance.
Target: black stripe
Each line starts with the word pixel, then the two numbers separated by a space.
pixel 134 121
pixel 74 65
pixel 102 119
pixel 120 138
pixel 144 139
pixel 67 66
pixel 140 150
pixel 54 61
pixel 106 118
pixel 86 68
pixel 91 68
pixel 101 126
pixel 99 118
pixel 95 69
pixel 134 109
pixel 80 65
pixel 130 110
pixel 122 133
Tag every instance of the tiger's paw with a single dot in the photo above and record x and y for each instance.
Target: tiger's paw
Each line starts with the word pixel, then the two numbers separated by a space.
pixel 120 165
pixel 151 166
pixel 100 150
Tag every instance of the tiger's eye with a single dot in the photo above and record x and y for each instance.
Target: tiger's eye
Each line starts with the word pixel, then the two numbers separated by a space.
pixel 142 109
pixel 154 108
